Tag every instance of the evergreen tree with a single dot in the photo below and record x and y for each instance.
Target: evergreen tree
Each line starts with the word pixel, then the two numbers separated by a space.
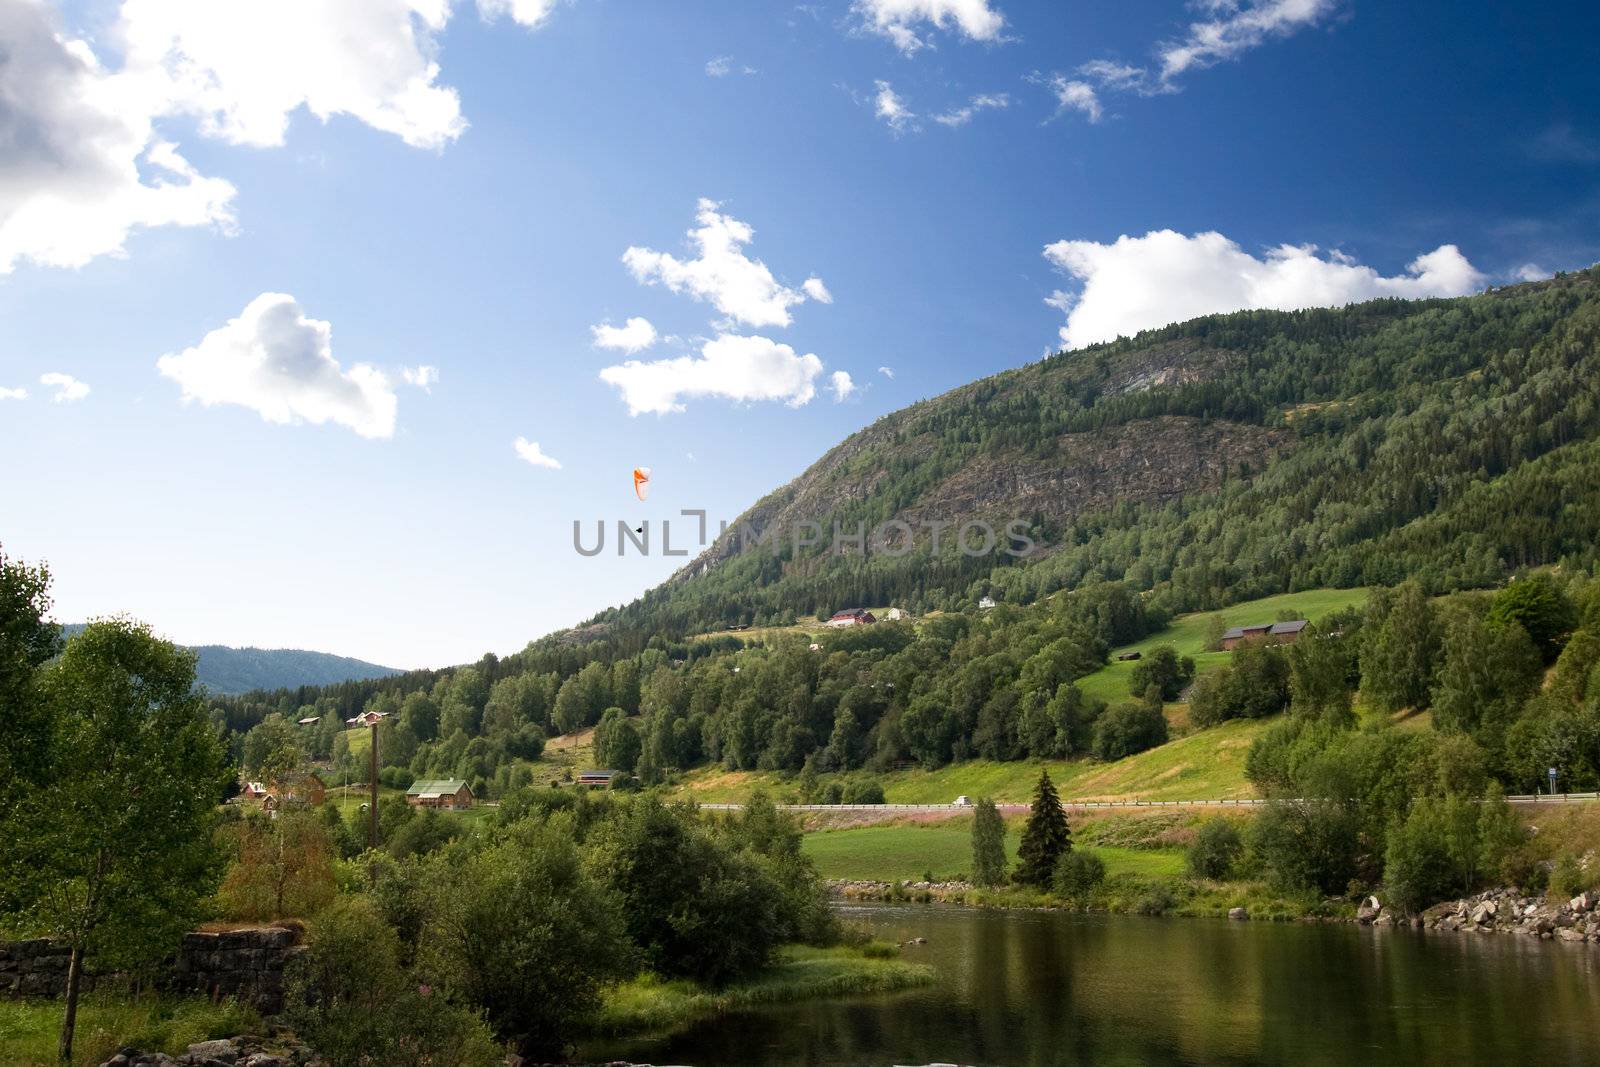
pixel 988 845
pixel 1402 653
pixel 1045 839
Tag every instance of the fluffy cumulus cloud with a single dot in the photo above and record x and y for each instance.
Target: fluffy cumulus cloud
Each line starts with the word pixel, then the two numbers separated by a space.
pixel 733 367
pixel 721 273
pixel 816 290
pixel 892 108
pixel 82 166
pixel 13 394
pixel 841 384
pixel 423 377
pixel 278 363
pixel 86 161
pixel 635 335
pixel 67 389
pixel 902 21
pixel 1137 283
pixel 532 453
pixel 960 116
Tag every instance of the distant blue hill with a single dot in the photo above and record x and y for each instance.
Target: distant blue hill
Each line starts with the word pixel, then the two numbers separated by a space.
pixel 222 669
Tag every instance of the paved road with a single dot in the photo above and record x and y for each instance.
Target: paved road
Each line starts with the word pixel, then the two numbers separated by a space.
pixel 1084 805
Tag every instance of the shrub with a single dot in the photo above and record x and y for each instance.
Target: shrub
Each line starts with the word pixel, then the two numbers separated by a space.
pixel 1157 900
pixel 1164 669
pixel 350 998
pixel 1215 849
pixel 1077 874
pixel 1128 728
pixel 1568 879
pixel 863 791
pixel 1309 844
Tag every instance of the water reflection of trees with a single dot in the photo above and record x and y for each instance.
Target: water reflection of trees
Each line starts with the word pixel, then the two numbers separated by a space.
pixel 1053 990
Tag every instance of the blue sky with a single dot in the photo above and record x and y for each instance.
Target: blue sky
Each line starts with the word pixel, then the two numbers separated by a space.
pixel 474 219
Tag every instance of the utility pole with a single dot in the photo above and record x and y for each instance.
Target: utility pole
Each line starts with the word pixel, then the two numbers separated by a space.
pixel 372 789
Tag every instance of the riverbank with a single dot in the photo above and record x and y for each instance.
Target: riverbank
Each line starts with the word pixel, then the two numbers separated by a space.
pixel 649 1004
pixel 30 1028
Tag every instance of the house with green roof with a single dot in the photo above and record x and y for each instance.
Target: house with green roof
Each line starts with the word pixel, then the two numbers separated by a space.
pixel 439 793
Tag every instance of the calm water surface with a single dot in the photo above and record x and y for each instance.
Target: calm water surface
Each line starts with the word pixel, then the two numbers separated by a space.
pixel 1048 988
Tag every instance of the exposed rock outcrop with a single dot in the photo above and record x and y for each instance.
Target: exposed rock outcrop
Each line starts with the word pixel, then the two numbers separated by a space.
pixel 1508 911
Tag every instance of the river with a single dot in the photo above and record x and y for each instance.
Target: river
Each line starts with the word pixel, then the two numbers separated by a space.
pixel 1044 989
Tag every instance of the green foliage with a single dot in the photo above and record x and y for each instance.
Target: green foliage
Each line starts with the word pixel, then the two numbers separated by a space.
pixel 523 932
pixel 1127 728
pixel 1488 674
pixel 1045 837
pixel 1307 844
pixel 1078 873
pixel 1538 607
pixel 988 845
pixel 1254 686
pixel 1402 649
pixel 1569 878
pixel 695 907
pixel 352 999
pixel 279 867
pixel 1446 847
pixel 1163 669
pixel 616 741
pixel 1215 849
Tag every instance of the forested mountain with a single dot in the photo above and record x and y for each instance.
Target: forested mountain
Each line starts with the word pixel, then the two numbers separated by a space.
pixel 1228 457
pixel 1437 446
pixel 224 669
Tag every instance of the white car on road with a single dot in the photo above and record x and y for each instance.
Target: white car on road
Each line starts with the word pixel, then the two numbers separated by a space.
pixel 962 802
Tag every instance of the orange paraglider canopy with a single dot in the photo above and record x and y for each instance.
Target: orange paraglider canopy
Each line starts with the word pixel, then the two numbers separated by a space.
pixel 641 482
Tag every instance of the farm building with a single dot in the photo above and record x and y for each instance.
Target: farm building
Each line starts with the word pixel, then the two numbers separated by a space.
pixel 852 617
pixel 254 791
pixel 439 793
pixel 598 779
pixel 309 720
pixel 367 718
pixel 307 788
pixel 986 603
pixel 1271 633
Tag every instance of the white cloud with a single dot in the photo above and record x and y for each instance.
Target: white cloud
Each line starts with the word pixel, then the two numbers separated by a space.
pixel 529 13
pixel 635 336
pixel 423 377
pixel 841 384
pixel 82 166
pixel 67 388
pixel 816 290
pixel 530 451
pixel 1239 25
pixel 891 108
pixel 278 363
pixel 243 67
pixel 722 66
pixel 1109 74
pixel 1530 272
pixel 731 366
pixel 86 162
pixel 1075 96
pixel 13 394
pixel 982 102
pixel 898 20
pixel 721 273
pixel 1137 283
pixel 887 372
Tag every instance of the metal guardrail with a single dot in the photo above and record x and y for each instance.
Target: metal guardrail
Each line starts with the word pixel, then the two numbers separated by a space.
pixel 1241 802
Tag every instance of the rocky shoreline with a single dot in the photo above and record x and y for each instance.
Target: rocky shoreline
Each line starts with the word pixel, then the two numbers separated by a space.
pixel 1502 910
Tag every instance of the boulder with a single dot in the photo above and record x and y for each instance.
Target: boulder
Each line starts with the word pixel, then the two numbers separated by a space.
pixel 213 1051
pixel 1238 914
pixel 1369 910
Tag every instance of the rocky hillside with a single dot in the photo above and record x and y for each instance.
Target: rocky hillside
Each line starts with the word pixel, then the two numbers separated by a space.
pixel 1229 457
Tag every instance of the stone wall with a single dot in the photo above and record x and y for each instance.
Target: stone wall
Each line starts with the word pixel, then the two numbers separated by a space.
pixel 248 964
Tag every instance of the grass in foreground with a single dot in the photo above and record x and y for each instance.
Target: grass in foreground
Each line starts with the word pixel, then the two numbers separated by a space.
pixel 649 1004
pixel 30 1029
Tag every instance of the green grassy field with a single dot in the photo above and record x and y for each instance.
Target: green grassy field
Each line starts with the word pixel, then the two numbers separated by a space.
pixel 29 1029
pixel 1206 765
pixel 907 852
pixel 1187 634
